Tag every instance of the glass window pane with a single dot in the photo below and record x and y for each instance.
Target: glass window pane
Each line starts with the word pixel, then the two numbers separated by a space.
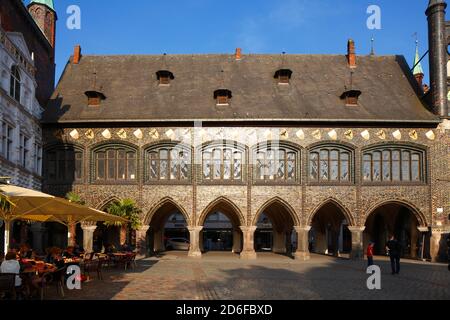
pixel 396 165
pixel 237 166
pixel 291 166
pixel 386 165
pixel 324 170
pixel 367 167
pixel 406 175
pixel 314 166
pixel 131 166
pixel 270 168
pixel 184 168
pixel 415 167
pixel 376 173
pixel 260 165
pixel 227 169
pixel 153 166
pixel 207 165
pixel 334 155
pixel 121 162
pixel 174 164
pixel 345 171
pixel 101 166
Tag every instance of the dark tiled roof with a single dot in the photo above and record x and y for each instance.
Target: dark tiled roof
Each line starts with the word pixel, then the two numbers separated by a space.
pixel 318 81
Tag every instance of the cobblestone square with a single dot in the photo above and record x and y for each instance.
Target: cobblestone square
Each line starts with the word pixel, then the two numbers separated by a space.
pixel 226 277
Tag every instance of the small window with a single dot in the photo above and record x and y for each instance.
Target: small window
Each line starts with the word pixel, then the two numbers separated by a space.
pixel 222 96
pixel 351 97
pixel 283 76
pixel 164 77
pixel 94 98
pixel 14 88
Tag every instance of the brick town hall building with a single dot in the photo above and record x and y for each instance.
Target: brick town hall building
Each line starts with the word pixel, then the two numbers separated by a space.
pixel 325 152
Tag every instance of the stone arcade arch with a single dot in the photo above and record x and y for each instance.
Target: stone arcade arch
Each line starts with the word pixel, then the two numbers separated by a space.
pixel 210 230
pixel 276 232
pixel 330 232
pixel 404 221
pixel 160 228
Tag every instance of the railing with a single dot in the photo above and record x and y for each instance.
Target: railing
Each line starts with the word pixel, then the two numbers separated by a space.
pixel 15 52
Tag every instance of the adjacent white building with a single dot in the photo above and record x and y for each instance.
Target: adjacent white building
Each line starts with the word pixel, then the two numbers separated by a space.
pixel 20 114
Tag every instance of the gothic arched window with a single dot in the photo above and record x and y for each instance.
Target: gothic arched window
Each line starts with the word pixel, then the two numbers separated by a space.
pixel 330 163
pixel 14 88
pixel 115 163
pixel 223 162
pixel 393 163
pixel 275 162
pixel 168 163
pixel 64 164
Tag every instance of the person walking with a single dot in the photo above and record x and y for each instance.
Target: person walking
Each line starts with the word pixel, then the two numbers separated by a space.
pixel 369 254
pixel 394 249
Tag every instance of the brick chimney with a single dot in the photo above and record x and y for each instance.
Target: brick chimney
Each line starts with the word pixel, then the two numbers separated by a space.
pixel 351 55
pixel 238 54
pixel 76 54
pixel 438 56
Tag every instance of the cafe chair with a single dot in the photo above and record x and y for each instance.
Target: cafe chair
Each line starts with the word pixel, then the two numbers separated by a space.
pixel 56 278
pixel 7 285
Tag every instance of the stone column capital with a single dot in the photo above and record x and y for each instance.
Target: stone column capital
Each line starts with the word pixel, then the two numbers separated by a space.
pixel 195 228
pixel 299 229
pixel 423 229
pixel 356 228
pixel 89 228
pixel 248 229
pixel 143 229
pixel 88 224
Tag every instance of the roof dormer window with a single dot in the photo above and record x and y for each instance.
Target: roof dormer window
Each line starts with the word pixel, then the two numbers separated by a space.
pixel 164 77
pixel 222 97
pixel 283 76
pixel 94 98
pixel 351 97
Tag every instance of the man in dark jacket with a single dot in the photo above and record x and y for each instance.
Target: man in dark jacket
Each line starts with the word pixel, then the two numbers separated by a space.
pixel 394 249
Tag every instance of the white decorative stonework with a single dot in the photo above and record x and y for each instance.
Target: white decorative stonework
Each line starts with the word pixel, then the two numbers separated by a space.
pixel 122 134
pixel 170 134
pixel 90 134
pixel 431 135
pixel 397 134
pixel 268 134
pixel 300 134
pixel 333 134
pixel 138 134
pixel 365 134
pixel 74 134
pixel 106 134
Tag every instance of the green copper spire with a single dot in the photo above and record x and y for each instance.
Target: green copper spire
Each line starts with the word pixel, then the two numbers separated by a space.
pixel 418 67
pixel 48 3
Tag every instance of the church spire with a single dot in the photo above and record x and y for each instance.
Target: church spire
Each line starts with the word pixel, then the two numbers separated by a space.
pixel 418 71
pixel 48 3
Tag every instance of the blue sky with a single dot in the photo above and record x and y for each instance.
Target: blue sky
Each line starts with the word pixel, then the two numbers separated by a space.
pixel 264 26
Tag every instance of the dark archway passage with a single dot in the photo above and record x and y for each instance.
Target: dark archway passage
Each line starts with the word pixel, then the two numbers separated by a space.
pixel 398 220
pixel 168 229
pixel 329 231
pixel 221 228
pixel 275 227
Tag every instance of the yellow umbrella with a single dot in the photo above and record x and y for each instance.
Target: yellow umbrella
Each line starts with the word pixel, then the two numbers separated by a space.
pixel 41 207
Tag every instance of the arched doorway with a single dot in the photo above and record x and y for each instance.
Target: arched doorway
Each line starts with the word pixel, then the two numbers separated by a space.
pixel 106 235
pixel 400 220
pixel 275 225
pixel 329 232
pixel 221 221
pixel 168 228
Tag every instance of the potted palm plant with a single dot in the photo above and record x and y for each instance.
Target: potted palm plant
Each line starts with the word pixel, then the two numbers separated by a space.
pixel 125 208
